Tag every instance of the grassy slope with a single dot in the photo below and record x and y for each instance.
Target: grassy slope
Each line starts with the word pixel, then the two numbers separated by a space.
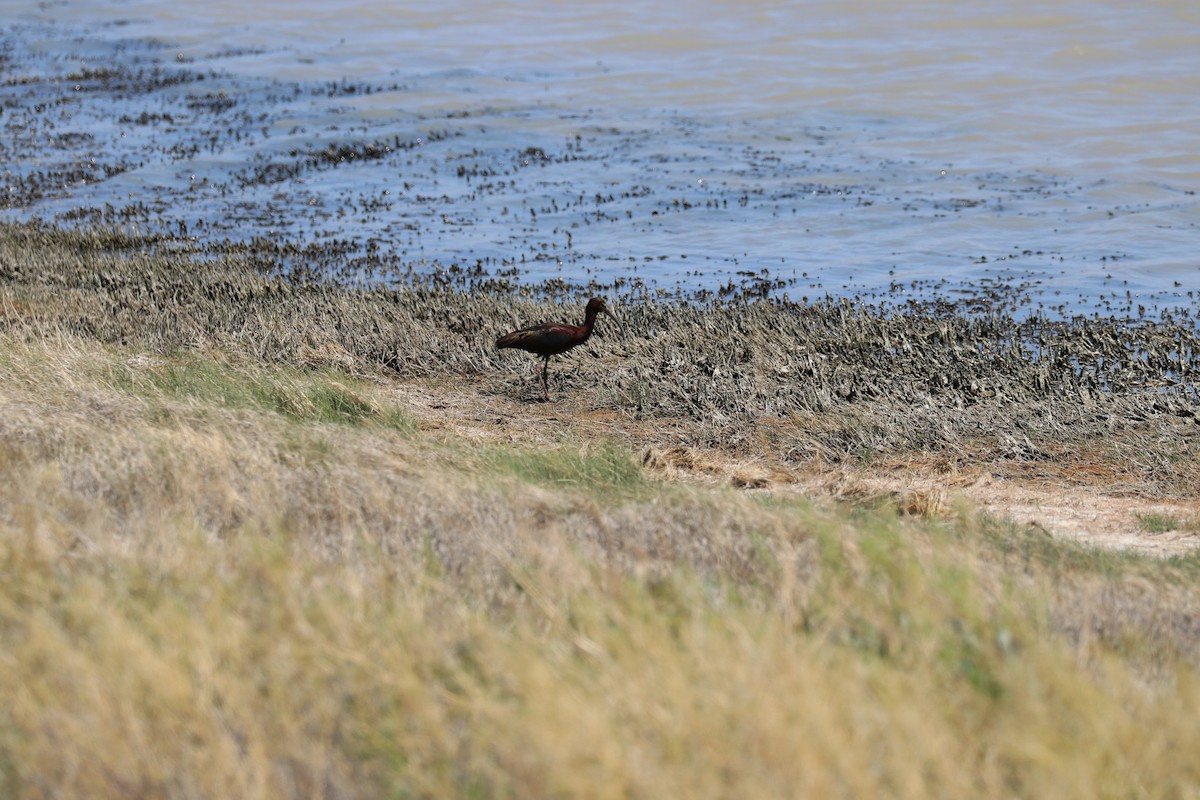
pixel 233 565
pixel 225 579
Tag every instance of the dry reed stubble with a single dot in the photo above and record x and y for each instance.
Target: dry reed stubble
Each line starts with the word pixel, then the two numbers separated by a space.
pixel 832 382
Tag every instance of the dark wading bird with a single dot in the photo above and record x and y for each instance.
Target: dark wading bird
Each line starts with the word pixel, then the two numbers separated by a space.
pixel 552 338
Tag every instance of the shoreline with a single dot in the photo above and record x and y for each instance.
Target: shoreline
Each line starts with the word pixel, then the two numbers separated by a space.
pixel 832 400
pixel 390 177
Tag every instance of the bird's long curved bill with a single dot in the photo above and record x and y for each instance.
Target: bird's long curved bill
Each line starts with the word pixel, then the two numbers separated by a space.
pixel 615 319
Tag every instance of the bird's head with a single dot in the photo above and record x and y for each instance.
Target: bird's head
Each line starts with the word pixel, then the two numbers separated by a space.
pixel 597 305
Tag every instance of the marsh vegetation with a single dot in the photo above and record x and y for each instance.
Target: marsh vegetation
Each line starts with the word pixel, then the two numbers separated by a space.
pixel 251 546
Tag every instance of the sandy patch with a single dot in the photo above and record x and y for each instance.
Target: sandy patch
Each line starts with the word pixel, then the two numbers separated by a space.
pixel 1087 508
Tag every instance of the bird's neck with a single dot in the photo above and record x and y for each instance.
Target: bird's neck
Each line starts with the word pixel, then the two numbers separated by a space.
pixel 589 322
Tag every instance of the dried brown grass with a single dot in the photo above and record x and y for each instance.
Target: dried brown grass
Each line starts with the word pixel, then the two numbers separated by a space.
pixel 235 562
pixel 213 593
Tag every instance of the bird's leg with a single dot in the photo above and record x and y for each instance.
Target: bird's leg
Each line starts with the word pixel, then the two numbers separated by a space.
pixel 545 371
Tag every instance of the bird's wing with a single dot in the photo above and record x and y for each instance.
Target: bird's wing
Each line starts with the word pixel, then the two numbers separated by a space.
pixel 548 333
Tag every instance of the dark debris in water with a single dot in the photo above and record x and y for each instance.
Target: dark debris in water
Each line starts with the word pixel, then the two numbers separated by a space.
pixel 340 180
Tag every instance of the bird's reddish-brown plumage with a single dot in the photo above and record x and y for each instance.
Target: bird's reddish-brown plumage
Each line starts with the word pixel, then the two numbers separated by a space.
pixel 553 338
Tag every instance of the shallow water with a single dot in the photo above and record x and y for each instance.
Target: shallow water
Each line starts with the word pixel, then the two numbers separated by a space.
pixel 1040 154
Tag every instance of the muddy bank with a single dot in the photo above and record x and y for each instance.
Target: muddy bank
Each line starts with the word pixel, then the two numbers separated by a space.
pixel 820 383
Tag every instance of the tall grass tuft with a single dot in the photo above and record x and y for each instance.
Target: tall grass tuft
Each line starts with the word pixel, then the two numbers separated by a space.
pixel 600 470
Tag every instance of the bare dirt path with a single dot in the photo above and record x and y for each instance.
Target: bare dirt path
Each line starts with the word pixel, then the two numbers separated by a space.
pixel 1095 508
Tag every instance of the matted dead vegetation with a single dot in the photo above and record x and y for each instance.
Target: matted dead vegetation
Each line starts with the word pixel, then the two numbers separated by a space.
pixel 832 383
pixel 1087 427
